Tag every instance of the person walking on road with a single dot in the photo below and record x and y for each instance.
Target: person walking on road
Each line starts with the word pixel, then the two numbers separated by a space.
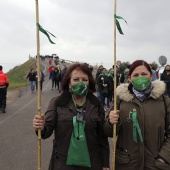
pixel 56 79
pixel 143 122
pixel 32 78
pixel 111 86
pixel 41 80
pixel 77 118
pixel 166 78
pixel 4 83
pixel 50 69
pixel 153 73
pixel 52 77
pixel 103 87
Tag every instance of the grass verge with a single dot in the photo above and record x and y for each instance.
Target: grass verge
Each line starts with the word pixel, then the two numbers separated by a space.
pixel 17 76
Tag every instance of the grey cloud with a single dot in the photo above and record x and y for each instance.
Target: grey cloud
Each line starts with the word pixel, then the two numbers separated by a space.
pixel 84 29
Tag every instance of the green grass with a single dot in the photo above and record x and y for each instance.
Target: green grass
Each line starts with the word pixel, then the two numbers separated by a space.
pixel 17 76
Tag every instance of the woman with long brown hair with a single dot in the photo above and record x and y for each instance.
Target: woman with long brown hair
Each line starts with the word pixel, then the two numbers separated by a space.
pixel 77 118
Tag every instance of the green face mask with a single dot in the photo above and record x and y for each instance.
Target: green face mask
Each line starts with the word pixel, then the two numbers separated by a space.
pixel 79 89
pixel 141 83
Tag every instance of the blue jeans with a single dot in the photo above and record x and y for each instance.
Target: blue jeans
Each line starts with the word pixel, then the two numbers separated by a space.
pixel 32 85
pixel 101 97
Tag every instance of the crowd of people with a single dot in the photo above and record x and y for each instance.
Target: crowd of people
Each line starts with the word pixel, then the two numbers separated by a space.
pixel 78 118
pixel 80 124
pixel 105 81
pixel 56 73
pixel 57 70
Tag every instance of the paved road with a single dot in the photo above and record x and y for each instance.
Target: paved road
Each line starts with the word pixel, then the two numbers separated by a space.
pixel 18 142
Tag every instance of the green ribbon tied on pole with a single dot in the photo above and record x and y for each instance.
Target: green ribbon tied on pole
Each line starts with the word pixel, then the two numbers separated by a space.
pixel 118 24
pixel 136 127
pixel 45 32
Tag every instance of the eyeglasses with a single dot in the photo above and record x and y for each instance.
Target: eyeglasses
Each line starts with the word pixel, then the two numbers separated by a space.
pixel 167 70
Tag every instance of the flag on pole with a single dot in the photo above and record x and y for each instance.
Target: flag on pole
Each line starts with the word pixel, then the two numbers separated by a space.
pixel 118 24
pixel 45 32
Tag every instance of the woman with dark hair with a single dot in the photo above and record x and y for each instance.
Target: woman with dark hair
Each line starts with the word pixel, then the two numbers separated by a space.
pixel 99 71
pixel 142 120
pixel 111 86
pixel 77 119
pixel 42 76
pixel 103 87
pixel 32 78
pixel 166 78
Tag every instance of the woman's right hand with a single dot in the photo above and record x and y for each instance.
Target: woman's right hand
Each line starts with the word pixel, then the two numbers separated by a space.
pixel 114 116
pixel 38 122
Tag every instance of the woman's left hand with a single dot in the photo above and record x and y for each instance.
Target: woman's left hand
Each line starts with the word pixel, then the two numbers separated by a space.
pixel 106 168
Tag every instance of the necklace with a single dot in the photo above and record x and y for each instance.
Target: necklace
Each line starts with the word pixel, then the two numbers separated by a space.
pixel 81 103
pixel 80 111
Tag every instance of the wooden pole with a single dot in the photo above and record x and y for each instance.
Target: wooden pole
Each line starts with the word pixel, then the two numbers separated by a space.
pixel 115 80
pixel 39 79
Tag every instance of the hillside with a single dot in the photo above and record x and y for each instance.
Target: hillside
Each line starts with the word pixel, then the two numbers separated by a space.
pixel 17 75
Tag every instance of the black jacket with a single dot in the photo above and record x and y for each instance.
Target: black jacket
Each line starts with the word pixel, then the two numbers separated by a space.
pixel 58 118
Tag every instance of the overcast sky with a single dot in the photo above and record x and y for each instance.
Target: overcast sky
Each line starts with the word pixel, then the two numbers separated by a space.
pixel 85 30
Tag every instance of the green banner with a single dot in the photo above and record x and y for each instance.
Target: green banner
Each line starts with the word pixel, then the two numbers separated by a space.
pixel 45 32
pixel 118 24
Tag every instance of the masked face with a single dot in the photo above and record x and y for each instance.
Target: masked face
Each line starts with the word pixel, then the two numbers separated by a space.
pixel 79 83
pixel 141 83
pixel 140 71
pixel 104 72
pixel 80 89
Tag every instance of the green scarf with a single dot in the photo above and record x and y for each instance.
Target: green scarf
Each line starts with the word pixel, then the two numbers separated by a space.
pixel 78 153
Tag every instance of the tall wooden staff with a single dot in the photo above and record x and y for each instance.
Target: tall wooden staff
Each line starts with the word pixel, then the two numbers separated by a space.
pixel 39 79
pixel 115 103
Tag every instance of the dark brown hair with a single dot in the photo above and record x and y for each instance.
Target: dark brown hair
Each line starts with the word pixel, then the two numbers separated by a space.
pixel 82 67
pixel 139 63
pixel 165 68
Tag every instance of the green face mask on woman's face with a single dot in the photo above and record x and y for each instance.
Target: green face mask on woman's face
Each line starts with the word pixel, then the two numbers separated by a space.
pixel 141 83
pixel 80 89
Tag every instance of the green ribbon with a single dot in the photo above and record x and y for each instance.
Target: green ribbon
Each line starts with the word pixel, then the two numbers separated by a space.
pixel 117 23
pixel 79 129
pixel 110 75
pixel 136 127
pixel 45 32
